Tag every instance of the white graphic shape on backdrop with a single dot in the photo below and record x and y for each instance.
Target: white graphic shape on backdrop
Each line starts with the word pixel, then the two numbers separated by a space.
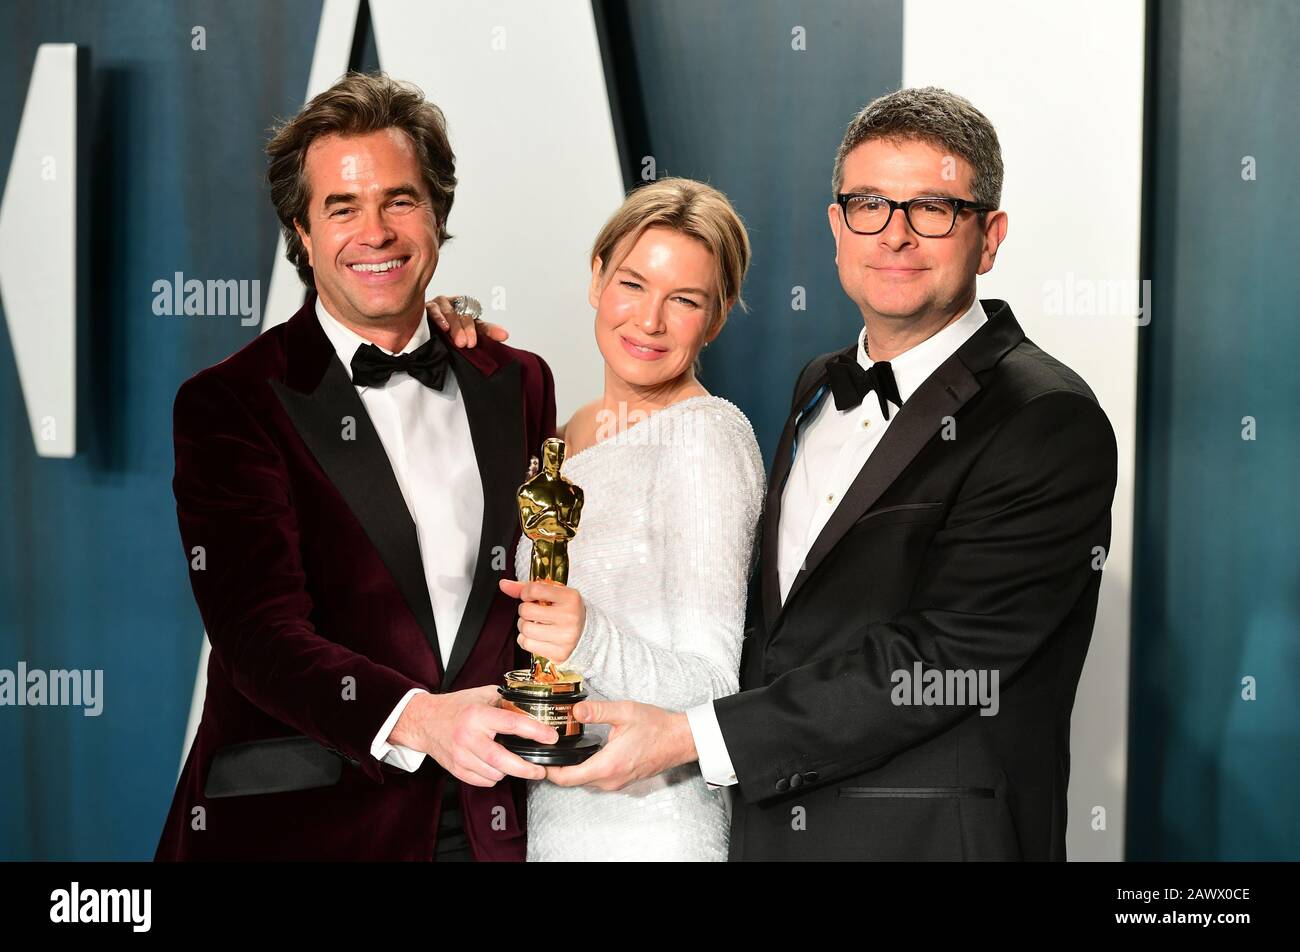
pixel 38 248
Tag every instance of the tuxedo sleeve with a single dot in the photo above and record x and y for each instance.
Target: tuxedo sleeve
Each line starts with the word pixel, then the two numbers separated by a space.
pixel 1011 561
pixel 240 530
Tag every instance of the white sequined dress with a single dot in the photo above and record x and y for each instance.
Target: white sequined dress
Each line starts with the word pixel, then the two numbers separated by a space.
pixel 662 559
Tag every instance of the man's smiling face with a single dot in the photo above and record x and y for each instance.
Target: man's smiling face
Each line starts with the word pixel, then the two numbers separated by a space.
pixel 897 273
pixel 373 239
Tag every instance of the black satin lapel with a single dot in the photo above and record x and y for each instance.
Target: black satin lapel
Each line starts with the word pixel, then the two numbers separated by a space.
pixel 360 470
pixel 771 526
pixel 916 423
pixel 494 406
pixel 781 466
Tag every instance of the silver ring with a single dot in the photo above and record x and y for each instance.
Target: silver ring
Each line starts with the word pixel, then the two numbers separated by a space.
pixel 465 305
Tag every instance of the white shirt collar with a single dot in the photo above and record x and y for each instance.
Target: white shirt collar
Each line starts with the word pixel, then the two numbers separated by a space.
pixel 346 341
pixel 913 366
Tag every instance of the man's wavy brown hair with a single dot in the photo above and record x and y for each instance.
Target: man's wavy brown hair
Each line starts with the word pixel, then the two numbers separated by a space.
pixel 358 104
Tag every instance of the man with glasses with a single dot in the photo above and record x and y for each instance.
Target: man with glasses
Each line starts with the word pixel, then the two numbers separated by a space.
pixel 937 514
pixel 936 519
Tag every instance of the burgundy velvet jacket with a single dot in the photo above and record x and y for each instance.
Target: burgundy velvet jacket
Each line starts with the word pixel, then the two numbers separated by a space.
pixel 306 569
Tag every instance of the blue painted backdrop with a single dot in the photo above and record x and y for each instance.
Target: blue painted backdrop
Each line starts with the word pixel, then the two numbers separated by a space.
pixel 721 91
pixel 1216 572
pixel 92 574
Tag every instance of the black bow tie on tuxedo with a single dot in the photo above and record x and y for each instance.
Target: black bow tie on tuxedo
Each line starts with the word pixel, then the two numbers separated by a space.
pixel 371 367
pixel 850 383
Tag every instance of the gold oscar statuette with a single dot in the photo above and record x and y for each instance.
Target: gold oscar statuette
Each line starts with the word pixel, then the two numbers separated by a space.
pixel 549 509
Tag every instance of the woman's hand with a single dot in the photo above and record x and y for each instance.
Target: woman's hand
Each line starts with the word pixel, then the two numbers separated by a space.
pixel 551 617
pixel 461 328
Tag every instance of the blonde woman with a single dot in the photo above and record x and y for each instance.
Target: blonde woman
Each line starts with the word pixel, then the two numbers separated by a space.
pixel 673 482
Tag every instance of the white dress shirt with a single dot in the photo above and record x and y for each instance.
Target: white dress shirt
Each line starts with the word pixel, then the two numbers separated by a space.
pixel 832 447
pixel 425 433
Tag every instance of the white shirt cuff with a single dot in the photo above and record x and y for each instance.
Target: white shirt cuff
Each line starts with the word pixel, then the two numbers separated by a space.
pixel 710 748
pixel 395 754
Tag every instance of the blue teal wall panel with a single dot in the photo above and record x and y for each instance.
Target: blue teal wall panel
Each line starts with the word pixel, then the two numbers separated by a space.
pixel 91 570
pixel 721 95
pixel 1217 577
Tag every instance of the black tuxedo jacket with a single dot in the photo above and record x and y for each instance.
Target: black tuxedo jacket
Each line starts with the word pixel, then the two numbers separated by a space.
pixel 970 541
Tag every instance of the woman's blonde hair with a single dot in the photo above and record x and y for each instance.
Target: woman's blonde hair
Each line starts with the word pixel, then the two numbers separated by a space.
pixel 691 208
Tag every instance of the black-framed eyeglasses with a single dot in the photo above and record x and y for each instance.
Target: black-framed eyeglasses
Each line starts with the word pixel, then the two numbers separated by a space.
pixel 928 216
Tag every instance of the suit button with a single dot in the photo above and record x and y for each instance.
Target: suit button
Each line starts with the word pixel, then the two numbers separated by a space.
pixel 811 776
pixel 783 785
pixel 796 781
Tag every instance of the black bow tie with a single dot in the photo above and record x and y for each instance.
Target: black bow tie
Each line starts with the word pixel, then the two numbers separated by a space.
pixel 850 383
pixel 371 367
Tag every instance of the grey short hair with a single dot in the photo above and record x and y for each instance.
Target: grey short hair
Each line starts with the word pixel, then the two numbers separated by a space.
pixel 938 117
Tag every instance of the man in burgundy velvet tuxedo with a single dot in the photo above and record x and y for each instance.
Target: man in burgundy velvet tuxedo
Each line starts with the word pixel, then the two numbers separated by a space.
pixel 345 491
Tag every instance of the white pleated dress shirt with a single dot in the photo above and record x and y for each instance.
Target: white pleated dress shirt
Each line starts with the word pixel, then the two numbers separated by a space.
pixel 832 448
pixel 425 433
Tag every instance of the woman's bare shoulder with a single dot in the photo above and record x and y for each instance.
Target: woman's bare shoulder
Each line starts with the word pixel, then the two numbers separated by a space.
pixel 580 430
